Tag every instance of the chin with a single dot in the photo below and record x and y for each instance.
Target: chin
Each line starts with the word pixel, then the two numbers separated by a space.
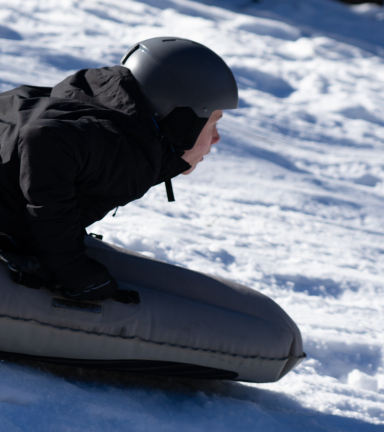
pixel 189 171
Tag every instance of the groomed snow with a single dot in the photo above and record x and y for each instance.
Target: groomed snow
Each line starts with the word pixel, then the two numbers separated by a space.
pixel 290 203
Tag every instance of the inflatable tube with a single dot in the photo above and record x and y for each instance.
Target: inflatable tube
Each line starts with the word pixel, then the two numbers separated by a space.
pixel 186 324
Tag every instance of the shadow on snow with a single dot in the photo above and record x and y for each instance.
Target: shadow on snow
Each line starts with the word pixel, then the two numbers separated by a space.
pixel 230 405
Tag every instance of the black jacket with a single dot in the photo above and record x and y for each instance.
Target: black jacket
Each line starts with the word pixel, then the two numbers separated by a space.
pixel 70 154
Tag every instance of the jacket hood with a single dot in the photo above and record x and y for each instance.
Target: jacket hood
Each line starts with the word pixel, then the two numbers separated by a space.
pixel 116 88
pixel 112 87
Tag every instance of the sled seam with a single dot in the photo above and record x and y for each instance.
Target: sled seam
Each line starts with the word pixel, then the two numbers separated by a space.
pixel 144 340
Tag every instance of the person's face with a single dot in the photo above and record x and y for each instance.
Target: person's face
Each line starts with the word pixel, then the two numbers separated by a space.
pixel 208 136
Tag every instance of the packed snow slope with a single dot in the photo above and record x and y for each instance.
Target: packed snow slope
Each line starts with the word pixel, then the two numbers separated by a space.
pixel 290 203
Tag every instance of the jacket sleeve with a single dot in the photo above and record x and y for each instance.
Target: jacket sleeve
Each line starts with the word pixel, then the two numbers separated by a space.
pixel 48 169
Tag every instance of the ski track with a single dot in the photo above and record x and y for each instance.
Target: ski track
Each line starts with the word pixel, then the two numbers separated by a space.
pixel 289 203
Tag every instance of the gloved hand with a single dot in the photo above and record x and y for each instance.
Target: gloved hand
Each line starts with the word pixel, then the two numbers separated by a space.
pixel 85 279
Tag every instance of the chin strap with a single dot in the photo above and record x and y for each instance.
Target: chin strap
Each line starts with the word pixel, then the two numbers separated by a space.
pixel 169 189
pixel 168 183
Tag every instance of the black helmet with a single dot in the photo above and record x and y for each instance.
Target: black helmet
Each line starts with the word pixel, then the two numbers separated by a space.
pixel 183 82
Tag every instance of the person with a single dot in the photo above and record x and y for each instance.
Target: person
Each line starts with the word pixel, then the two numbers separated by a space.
pixel 99 140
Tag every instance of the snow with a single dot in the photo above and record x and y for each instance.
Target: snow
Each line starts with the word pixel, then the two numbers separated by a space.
pixel 290 203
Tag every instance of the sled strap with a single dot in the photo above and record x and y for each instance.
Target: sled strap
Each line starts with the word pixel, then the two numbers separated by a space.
pixel 127 297
pixel 30 280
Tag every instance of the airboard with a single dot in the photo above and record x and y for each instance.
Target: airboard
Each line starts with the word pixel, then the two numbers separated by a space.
pixel 186 324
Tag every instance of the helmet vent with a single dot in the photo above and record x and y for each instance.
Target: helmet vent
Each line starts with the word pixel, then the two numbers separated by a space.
pixel 131 51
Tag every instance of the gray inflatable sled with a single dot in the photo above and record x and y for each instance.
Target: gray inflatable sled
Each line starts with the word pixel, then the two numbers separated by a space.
pixel 186 324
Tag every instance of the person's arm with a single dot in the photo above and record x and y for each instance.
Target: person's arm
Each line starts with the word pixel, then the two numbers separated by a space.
pixel 48 169
pixel 52 156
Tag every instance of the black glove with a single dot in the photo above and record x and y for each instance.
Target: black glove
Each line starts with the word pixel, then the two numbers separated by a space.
pixel 7 244
pixel 85 279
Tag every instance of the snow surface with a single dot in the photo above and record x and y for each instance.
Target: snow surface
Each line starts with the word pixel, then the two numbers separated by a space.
pixel 289 203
